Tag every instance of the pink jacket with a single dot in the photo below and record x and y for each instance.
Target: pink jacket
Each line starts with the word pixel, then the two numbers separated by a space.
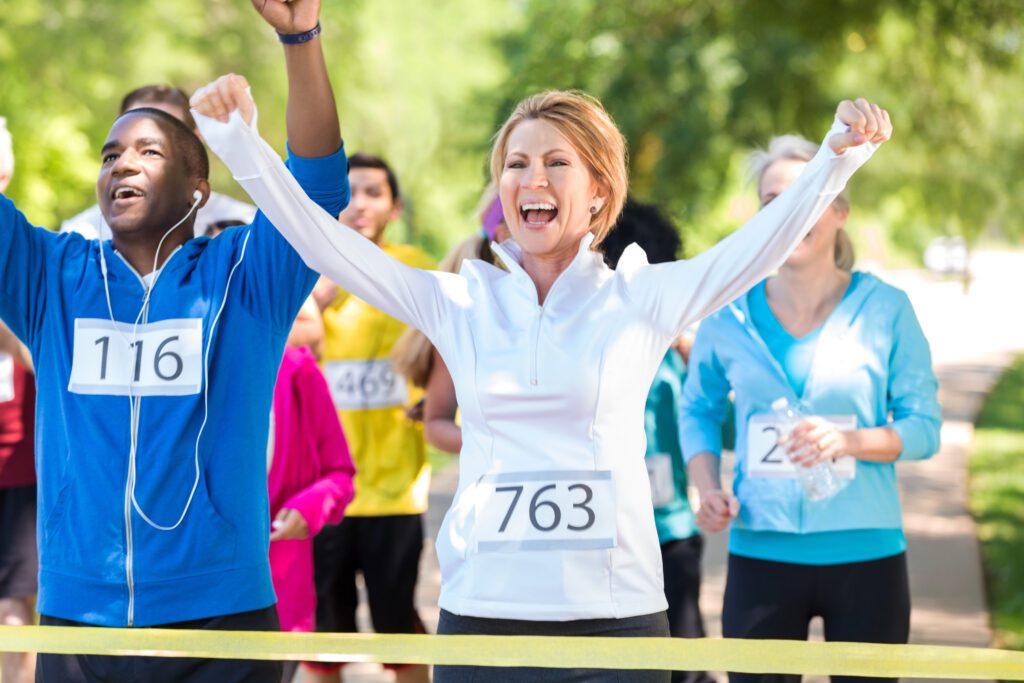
pixel 311 473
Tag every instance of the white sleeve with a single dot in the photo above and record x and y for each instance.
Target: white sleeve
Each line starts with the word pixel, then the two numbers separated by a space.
pixel 677 294
pixel 414 296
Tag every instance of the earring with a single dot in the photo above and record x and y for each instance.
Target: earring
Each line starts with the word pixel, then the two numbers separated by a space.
pixel 593 211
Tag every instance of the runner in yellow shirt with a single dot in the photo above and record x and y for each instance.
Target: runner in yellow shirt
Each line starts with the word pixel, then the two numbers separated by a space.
pixel 382 533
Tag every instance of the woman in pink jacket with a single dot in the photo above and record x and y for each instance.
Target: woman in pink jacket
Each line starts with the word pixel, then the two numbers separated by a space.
pixel 310 476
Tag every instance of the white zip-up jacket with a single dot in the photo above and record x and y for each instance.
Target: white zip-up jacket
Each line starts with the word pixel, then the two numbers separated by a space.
pixel 552 517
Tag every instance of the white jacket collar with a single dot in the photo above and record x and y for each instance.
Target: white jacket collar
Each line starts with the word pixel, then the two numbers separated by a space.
pixel 511 254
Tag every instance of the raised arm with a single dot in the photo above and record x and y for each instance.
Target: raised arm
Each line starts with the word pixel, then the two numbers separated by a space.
pixel 25 252
pixel 680 293
pixel 416 297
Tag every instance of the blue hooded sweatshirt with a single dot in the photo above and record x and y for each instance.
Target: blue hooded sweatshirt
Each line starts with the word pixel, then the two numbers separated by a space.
pixel 872 362
pixel 204 360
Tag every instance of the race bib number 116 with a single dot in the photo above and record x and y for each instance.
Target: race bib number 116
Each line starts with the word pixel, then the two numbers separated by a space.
pixel 156 359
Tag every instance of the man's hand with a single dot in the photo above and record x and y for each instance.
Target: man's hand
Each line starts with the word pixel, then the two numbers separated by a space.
pixel 289 525
pixel 868 123
pixel 226 94
pixel 296 16
pixel 717 509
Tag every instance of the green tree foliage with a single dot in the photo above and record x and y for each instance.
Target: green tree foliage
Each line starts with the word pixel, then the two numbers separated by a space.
pixel 694 84
pixel 405 75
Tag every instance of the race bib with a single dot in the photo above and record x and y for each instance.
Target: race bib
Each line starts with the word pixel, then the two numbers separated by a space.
pixel 362 384
pixel 659 472
pixel 156 359
pixel 553 510
pixel 6 377
pixel 767 459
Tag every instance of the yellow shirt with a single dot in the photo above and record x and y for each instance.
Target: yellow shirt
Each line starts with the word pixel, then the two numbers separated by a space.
pixel 392 474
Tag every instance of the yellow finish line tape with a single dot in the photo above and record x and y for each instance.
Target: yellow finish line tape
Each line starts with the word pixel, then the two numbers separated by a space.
pixel 704 654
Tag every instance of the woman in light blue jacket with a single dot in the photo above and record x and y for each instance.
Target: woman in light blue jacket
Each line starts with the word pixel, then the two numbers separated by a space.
pixel 847 349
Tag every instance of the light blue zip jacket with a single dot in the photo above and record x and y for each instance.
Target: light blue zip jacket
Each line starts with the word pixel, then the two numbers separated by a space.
pixel 872 361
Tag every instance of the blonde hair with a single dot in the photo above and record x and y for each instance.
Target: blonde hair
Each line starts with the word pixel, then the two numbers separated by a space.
pixel 6 149
pixel 584 122
pixel 798 148
pixel 413 354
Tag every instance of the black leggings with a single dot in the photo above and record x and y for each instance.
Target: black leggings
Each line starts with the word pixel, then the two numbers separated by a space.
pixel 867 602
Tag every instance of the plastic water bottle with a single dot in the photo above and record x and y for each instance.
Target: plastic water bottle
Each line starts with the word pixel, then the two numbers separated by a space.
pixel 820 481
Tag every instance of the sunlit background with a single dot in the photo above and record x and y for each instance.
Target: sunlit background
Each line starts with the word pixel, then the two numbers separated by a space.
pixel 695 86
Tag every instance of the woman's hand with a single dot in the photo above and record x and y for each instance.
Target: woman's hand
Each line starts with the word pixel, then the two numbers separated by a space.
pixel 289 525
pixel 717 509
pixel 867 121
pixel 226 94
pixel 814 441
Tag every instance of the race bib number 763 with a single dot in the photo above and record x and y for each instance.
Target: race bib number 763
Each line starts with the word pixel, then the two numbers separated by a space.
pixel 548 510
pixel 156 359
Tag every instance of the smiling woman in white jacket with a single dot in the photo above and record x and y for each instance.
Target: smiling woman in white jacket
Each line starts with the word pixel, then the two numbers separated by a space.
pixel 551 528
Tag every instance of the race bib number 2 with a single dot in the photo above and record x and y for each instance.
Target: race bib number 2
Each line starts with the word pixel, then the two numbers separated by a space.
pixel 767 459
pixel 6 378
pixel 551 510
pixel 156 359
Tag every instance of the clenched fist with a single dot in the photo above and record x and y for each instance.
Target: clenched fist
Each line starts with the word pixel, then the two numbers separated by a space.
pixel 223 96
pixel 868 123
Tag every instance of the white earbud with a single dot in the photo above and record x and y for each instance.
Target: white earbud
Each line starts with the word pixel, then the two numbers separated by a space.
pixel 197 196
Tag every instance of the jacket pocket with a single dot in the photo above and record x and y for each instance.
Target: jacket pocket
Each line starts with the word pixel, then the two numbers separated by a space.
pixel 204 542
pixel 769 505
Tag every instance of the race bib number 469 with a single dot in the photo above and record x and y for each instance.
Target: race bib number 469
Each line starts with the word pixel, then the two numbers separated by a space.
pixel 156 359
pixel 553 510
pixel 363 384
pixel 767 459
pixel 6 378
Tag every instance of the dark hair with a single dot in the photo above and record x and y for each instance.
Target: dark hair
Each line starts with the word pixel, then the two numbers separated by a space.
pixel 647 226
pixel 182 138
pixel 222 225
pixel 159 94
pixel 365 160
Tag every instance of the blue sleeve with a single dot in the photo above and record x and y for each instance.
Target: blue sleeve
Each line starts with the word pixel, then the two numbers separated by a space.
pixel 24 251
pixel 277 280
pixel 705 402
pixel 913 389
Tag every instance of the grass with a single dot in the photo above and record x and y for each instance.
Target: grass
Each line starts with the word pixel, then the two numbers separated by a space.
pixel 997 502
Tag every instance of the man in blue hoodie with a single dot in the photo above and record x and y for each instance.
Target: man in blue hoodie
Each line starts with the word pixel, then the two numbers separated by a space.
pixel 156 358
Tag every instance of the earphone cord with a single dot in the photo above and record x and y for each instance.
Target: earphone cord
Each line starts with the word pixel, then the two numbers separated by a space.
pixel 135 402
pixel 206 408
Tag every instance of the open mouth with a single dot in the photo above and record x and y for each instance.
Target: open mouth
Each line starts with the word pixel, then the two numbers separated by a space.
pixel 126 192
pixel 538 214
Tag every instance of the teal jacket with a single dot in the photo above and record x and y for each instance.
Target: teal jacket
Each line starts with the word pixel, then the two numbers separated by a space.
pixel 872 362
pixel 673 516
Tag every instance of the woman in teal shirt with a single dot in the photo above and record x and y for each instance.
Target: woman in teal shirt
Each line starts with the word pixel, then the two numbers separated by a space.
pixel 681 543
pixel 846 349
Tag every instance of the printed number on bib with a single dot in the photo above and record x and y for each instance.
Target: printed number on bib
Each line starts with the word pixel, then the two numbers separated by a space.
pixel 556 510
pixel 361 384
pixel 6 377
pixel 164 358
pixel 767 459
pixel 659 472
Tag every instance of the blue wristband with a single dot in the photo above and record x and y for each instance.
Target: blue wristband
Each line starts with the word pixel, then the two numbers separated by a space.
pixel 299 38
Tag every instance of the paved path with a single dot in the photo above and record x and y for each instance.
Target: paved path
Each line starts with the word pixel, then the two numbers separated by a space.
pixel 972 336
